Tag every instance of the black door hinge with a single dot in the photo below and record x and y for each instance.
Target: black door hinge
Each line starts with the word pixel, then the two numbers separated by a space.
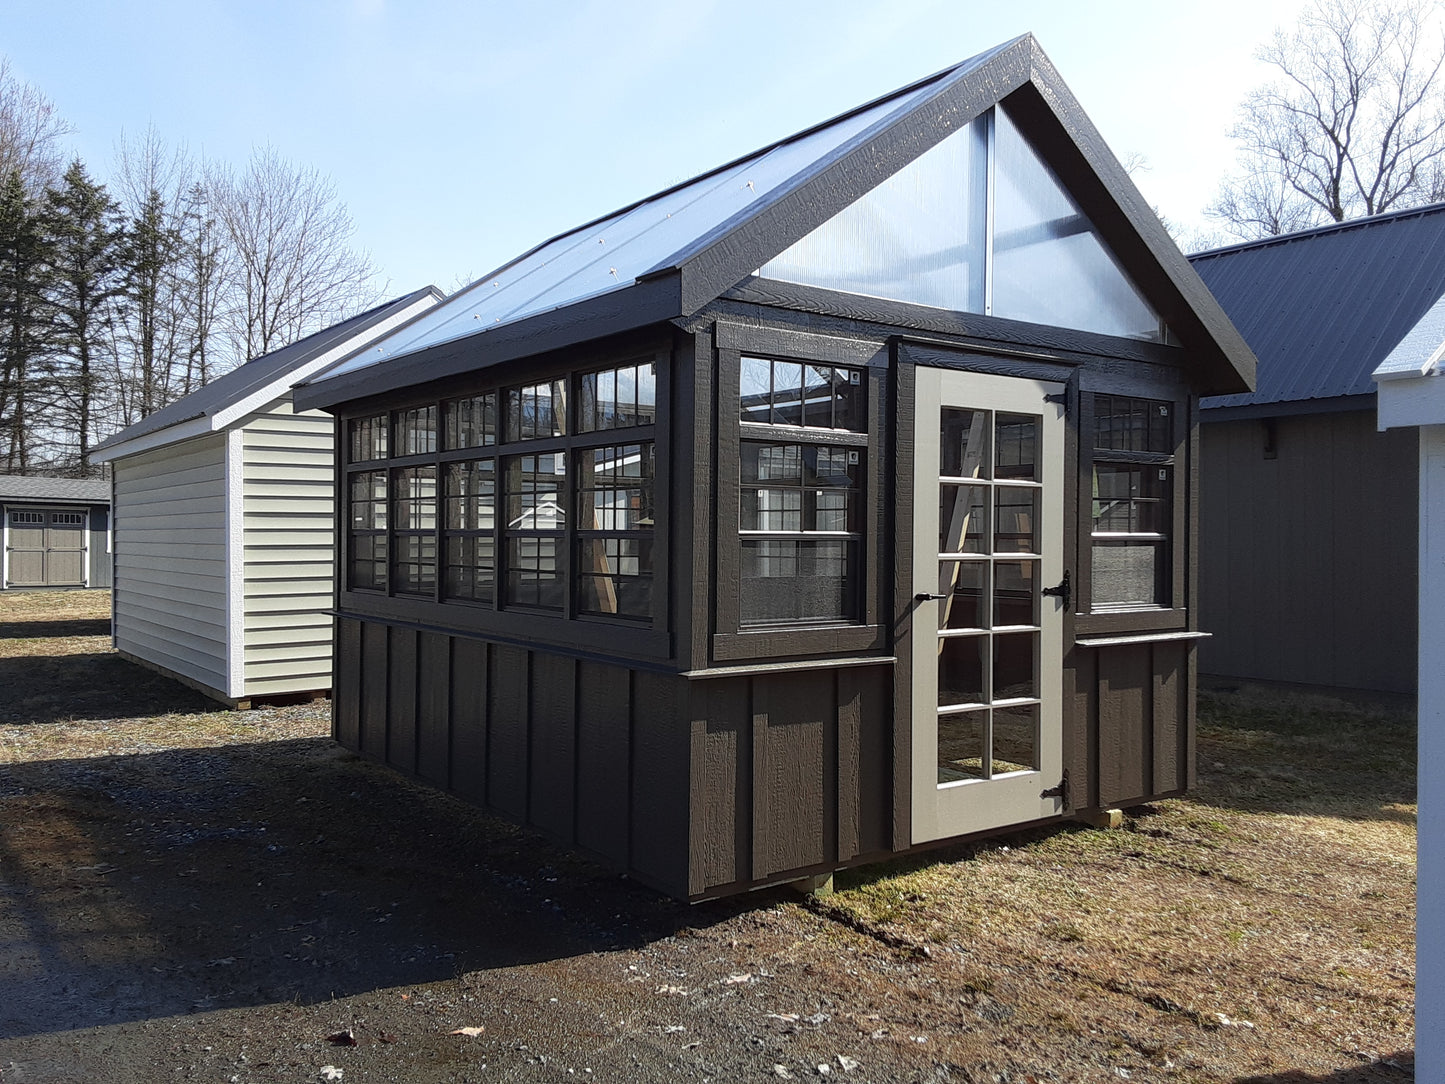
pixel 1061 791
pixel 1063 591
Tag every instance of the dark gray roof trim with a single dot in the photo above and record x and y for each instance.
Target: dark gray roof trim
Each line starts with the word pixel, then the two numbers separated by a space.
pixel 1323 308
pixel 33 487
pixel 725 255
pixel 261 371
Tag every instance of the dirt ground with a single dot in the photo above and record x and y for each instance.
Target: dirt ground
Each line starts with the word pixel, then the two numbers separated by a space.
pixel 189 894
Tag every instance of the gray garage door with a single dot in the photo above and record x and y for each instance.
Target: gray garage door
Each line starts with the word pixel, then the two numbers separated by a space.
pixel 45 547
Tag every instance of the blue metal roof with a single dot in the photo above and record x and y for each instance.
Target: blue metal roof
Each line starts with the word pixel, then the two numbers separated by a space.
pixel 1323 307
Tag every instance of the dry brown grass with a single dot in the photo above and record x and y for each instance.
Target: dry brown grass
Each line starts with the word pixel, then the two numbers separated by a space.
pixel 1268 915
pixel 68 694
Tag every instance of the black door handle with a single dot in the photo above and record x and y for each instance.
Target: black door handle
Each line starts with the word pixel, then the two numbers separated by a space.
pixel 924 596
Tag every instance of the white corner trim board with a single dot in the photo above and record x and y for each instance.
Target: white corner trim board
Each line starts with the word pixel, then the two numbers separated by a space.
pixel 235 564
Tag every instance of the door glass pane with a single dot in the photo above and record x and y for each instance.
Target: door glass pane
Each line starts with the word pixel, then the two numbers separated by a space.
pixel 961 661
pixel 1016 584
pixel 963 447
pixel 961 513
pixel 1016 446
pixel 1015 739
pixel 961 746
pixel 966 585
pixel 1017 519
pixel 1015 665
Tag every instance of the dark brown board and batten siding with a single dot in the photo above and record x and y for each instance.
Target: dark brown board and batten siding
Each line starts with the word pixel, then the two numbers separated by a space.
pixel 1130 733
pixel 693 786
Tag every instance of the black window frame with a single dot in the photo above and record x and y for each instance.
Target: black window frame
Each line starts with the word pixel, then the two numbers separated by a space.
pixel 492 615
pixel 731 639
pixel 1171 611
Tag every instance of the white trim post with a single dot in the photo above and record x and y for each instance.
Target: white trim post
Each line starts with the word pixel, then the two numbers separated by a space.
pixel 235 524
pixel 1430 823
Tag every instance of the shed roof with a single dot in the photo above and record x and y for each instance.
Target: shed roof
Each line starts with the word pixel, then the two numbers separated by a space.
pixel 269 375
pixel 1323 307
pixel 667 256
pixel 34 487
pixel 1422 351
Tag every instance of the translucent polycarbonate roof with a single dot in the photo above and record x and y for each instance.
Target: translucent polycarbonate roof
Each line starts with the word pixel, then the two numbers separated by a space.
pixel 652 235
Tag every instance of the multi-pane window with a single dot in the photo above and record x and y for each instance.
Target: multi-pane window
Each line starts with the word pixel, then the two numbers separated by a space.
pixel 534 509
pixel 416 431
pixel 471 423
pixel 413 531
pixel 469 535
pixel 367 541
pixel 537 410
pixel 800 515
pixel 615 530
pixel 617 398
pixel 552 525
pixel 368 438
pixel 794 393
pixel 1133 474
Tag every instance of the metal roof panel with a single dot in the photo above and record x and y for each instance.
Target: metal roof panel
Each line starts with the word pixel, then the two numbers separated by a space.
pixel 1323 308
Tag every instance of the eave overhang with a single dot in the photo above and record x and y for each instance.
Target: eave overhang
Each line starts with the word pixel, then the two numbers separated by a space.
pixel 648 301
pixel 1217 359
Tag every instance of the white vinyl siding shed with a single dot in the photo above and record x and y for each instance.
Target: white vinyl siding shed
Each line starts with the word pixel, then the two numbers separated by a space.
pixel 224 523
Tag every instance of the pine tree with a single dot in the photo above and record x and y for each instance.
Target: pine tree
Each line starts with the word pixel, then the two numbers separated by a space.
pixel 87 254
pixel 23 317
pixel 150 255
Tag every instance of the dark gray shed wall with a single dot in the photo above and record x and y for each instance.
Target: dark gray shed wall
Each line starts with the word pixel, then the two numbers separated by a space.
pixel 1308 560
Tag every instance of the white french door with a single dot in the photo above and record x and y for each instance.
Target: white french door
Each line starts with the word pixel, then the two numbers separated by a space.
pixel 989 596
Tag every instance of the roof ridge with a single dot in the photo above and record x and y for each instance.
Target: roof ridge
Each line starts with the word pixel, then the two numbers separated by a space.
pixel 1317 231
pixel 757 152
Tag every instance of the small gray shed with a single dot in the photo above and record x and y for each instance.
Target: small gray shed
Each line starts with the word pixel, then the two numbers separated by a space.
pixel 1307 513
pixel 56 531
pixel 224 523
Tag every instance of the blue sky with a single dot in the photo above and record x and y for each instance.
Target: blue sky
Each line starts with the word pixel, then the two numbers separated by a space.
pixel 460 134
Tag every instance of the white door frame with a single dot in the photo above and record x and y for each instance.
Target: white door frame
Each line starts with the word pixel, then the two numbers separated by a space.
pixel 959 807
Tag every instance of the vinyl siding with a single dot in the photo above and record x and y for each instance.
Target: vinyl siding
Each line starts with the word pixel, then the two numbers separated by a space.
pixel 170 554
pixel 288 533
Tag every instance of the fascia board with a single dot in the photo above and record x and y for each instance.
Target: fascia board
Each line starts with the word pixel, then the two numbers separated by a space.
pixel 1411 401
pixel 198 426
pixel 276 389
pixel 645 302
pixel 1142 244
pixel 748 240
pixel 1138 239
pixel 270 392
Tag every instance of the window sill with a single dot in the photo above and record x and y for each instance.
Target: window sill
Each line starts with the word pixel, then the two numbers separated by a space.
pixel 795 640
pixel 1141 638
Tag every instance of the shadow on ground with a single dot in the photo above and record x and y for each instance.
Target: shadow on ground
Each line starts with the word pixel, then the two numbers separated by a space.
pixel 142 886
pixel 33 630
pixel 1281 754
pixel 93 685
pixel 1398 1066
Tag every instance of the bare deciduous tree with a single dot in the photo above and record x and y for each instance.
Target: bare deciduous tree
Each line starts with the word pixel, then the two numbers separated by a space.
pixel 295 271
pixel 1355 125
pixel 30 133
